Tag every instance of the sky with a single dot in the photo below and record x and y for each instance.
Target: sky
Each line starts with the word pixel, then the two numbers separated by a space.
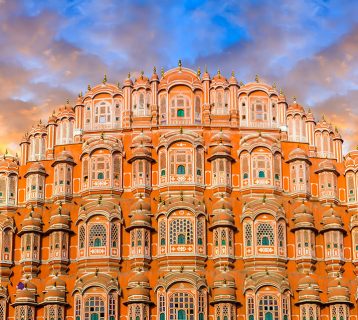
pixel 51 50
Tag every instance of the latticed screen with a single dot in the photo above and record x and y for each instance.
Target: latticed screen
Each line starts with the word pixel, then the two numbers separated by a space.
pixel 94 309
pixel 82 237
pixel 114 235
pixel 181 306
pixel 268 308
pixel 2 309
pixel 265 235
pixel 97 236
pixel 181 231
pixel 248 235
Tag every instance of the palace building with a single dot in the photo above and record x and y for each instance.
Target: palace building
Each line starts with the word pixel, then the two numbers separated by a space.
pixel 182 196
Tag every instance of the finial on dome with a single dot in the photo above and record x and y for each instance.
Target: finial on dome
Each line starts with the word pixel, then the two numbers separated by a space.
pixel 257 79
pixel 241 84
pixel 206 68
pixel 89 87
pixel 67 101
pixel 198 73
pixel 154 70
pixel 141 74
pixel 80 94
pixel 219 73
pixel 233 73
pixel 181 129
pixel 180 64
pixel 118 85
pixel 323 118
pixel 294 99
pixel 104 81
pixel 274 85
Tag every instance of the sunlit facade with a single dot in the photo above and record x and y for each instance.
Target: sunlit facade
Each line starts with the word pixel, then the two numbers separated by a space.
pixel 180 197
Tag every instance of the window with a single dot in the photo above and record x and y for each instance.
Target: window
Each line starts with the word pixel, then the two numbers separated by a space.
pixel 268 308
pixel 265 235
pixel 82 235
pixel 181 306
pixel 94 308
pixel 181 231
pixel 97 236
pixel 180 111
pixel 181 169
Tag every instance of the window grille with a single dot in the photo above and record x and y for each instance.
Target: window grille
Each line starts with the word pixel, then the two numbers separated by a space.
pixel 97 236
pixel 265 235
pixel 181 229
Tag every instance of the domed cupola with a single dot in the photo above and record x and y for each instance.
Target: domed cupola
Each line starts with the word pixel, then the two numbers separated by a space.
pixel 32 223
pixel 332 220
pixel 308 290
pixel 223 205
pixel 60 219
pixel 338 292
pixel 55 291
pixel 219 79
pixel 36 168
pixel 303 218
pixel 224 288
pixel 298 154
pixel 142 80
pixel 26 293
pixel 139 289
pixel 140 214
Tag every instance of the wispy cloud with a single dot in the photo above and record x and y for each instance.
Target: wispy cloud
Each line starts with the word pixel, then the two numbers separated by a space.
pixel 51 50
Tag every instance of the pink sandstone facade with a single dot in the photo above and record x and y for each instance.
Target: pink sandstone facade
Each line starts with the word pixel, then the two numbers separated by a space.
pixel 180 197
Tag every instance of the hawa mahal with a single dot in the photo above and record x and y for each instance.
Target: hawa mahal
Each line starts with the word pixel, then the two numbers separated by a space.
pixel 182 196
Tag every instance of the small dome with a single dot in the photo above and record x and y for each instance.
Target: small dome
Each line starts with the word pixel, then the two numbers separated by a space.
pixel 233 80
pixel 303 217
pixel 141 151
pixel 8 163
pixel 26 292
pixel 297 153
pixel 219 79
pixel 141 80
pixel 142 138
pixel 33 222
pixel 224 277
pixel 224 293
pixel 222 204
pixel 221 150
pixel 64 156
pixel 60 218
pixel 140 219
pixel 295 107
pixel 139 278
pixel 141 205
pixel 337 291
pixel 36 167
pixel 138 291
pixel 223 219
pixel 332 219
pixel 307 281
pixel 220 138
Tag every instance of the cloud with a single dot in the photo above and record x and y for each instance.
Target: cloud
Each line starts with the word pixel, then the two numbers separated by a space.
pixel 51 50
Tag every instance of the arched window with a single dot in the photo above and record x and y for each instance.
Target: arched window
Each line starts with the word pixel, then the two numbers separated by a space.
pixel 182 306
pixel 94 308
pixel 102 114
pixel 180 111
pixel 163 109
pixel 181 230
pixel 82 236
pixel 265 235
pixel 268 308
pixel 97 236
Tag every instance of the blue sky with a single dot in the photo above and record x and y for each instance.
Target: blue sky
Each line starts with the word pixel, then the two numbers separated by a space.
pixel 51 50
